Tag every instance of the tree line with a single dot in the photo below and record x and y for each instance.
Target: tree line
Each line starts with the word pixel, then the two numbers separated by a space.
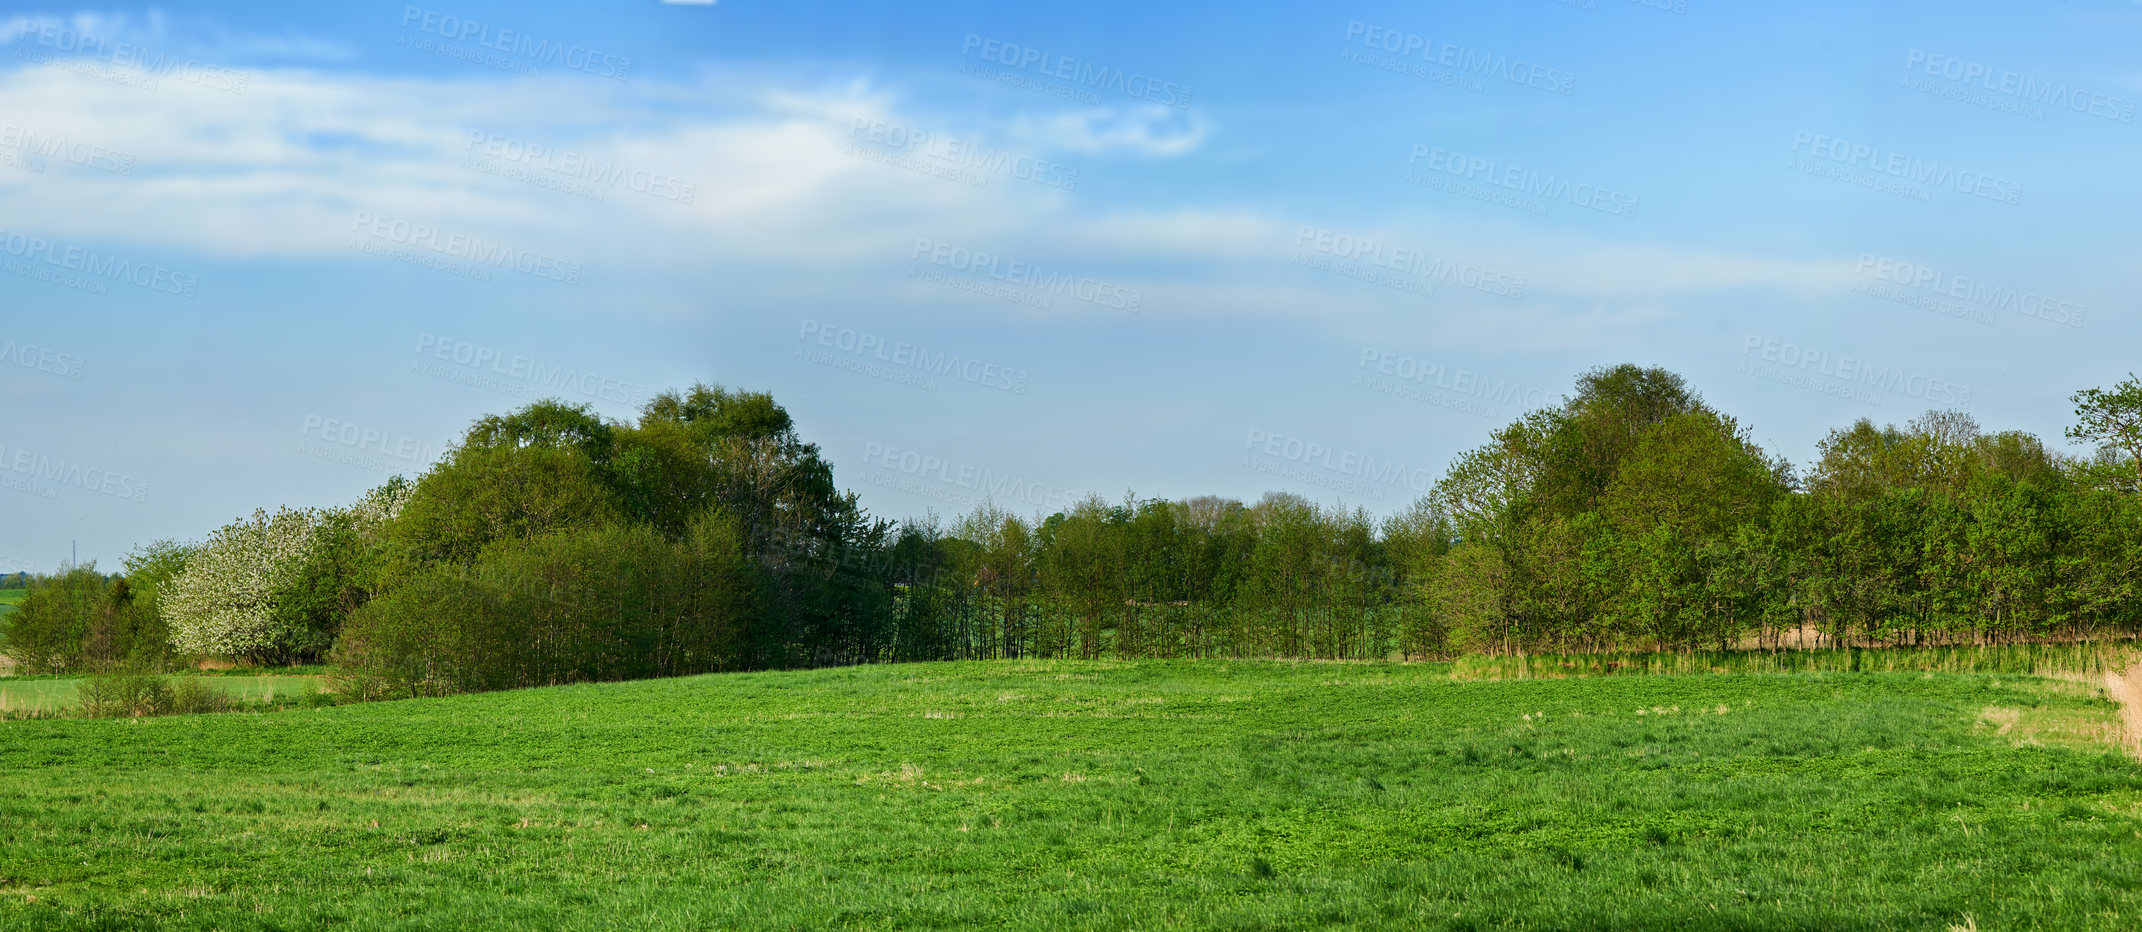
pixel 552 545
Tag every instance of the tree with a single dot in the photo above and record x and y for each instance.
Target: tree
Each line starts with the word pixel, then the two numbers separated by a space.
pixel 739 452
pixel 2112 420
pixel 51 631
pixel 485 492
pixel 1416 543
pixel 275 588
pixel 578 605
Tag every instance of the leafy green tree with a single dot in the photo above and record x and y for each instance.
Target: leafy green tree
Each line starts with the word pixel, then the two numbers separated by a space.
pixel 584 604
pixel 485 493
pixel 275 588
pixel 1416 543
pixel 1001 566
pixel 51 630
pixel 2113 420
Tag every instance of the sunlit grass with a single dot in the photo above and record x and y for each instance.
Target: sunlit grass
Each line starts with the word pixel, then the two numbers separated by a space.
pixel 1240 795
pixel 2053 659
pixel 58 695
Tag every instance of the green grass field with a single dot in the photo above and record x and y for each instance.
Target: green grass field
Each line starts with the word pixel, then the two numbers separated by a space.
pixel 1065 795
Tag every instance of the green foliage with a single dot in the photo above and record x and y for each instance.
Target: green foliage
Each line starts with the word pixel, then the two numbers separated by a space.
pixel 134 693
pixel 1085 795
pixel 486 493
pixel 2113 420
pixel 608 603
pixel 1630 516
pixel 82 620
pixel 275 588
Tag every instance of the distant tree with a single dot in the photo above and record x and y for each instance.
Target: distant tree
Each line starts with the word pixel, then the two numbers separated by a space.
pixel 500 484
pixel 51 631
pixel 577 605
pixel 275 588
pixel 2112 420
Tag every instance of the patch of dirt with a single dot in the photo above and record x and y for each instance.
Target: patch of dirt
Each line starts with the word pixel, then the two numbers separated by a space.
pixel 2125 688
pixel 2003 720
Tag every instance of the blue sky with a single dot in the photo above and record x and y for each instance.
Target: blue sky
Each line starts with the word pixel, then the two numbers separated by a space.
pixel 256 254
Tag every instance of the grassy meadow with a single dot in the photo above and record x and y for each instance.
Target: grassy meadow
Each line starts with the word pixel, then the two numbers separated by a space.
pixel 1097 795
pixel 53 695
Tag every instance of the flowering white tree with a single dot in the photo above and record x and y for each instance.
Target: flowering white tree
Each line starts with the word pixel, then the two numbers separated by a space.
pixel 226 601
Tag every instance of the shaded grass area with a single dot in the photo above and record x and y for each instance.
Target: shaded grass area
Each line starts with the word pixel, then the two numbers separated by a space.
pixel 1097 795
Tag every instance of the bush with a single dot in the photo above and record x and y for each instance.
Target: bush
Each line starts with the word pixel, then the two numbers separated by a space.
pixel 137 693
pixel 191 696
pixel 81 620
pixel 605 603
pixel 125 694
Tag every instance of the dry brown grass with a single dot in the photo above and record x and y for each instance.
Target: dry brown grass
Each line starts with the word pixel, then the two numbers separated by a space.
pixel 2124 686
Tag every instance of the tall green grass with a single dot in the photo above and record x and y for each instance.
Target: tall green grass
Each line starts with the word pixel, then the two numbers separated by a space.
pixel 2060 659
pixel 56 696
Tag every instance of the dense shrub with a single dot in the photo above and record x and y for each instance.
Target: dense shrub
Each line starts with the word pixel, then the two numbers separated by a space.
pixel 82 620
pixel 607 603
pixel 133 693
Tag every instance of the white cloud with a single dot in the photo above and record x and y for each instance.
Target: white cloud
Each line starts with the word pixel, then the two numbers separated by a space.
pixel 1149 130
pixel 781 182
